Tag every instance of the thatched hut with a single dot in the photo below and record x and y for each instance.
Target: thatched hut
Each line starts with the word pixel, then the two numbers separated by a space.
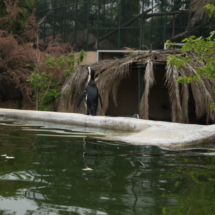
pixel 142 83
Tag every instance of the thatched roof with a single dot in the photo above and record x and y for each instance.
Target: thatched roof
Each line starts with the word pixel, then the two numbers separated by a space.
pixel 109 73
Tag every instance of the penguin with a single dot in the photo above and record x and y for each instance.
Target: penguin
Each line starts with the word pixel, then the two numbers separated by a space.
pixel 91 94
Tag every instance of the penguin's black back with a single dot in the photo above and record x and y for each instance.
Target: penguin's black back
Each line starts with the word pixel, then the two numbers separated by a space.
pixel 92 97
pixel 91 94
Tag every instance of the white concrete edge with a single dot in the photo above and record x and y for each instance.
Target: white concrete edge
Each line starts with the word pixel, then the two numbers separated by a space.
pixel 130 130
pixel 113 123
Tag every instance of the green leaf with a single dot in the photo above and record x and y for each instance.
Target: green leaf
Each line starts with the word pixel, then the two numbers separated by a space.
pixel 45 85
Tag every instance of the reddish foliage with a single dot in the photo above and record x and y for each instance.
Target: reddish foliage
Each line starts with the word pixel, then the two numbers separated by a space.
pixel 19 58
pixel 12 9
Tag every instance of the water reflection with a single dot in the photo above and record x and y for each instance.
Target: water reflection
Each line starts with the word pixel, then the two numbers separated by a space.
pixel 54 174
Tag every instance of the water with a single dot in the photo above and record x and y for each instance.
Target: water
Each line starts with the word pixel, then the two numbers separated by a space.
pixel 50 171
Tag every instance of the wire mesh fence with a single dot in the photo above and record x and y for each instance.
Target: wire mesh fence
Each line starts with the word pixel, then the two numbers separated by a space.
pixel 115 24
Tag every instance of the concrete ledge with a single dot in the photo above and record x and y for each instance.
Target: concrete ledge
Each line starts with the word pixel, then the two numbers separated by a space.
pixel 134 131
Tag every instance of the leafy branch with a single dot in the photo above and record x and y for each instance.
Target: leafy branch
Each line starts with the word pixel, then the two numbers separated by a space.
pixel 47 85
pixel 203 49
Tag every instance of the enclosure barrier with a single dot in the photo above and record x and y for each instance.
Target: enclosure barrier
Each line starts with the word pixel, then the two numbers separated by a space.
pixel 130 130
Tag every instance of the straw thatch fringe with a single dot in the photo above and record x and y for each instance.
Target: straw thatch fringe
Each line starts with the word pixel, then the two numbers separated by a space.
pixel 149 80
pixel 185 99
pixel 75 83
pixel 197 93
pixel 174 93
pixel 205 95
pixel 108 82
pixel 110 73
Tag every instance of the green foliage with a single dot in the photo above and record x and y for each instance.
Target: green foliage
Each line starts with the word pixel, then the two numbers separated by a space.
pixel 204 49
pixel 185 80
pixel 211 8
pixel 71 61
pixel 41 84
pixel 47 85
pixel 177 61
pixel 59 62
pixel 38 81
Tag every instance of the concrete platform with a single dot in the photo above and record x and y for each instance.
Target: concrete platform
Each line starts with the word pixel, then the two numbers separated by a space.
pixel 130 130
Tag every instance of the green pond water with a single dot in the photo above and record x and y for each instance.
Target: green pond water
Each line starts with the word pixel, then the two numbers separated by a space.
pixel 46 171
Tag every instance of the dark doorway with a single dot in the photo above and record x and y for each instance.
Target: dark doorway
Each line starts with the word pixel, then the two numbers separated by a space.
pixel 127 97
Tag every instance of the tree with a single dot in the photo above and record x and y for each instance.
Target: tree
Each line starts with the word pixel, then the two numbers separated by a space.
pixel 14 15
pixel 203 50
pixel 25 70
pixel 49 75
